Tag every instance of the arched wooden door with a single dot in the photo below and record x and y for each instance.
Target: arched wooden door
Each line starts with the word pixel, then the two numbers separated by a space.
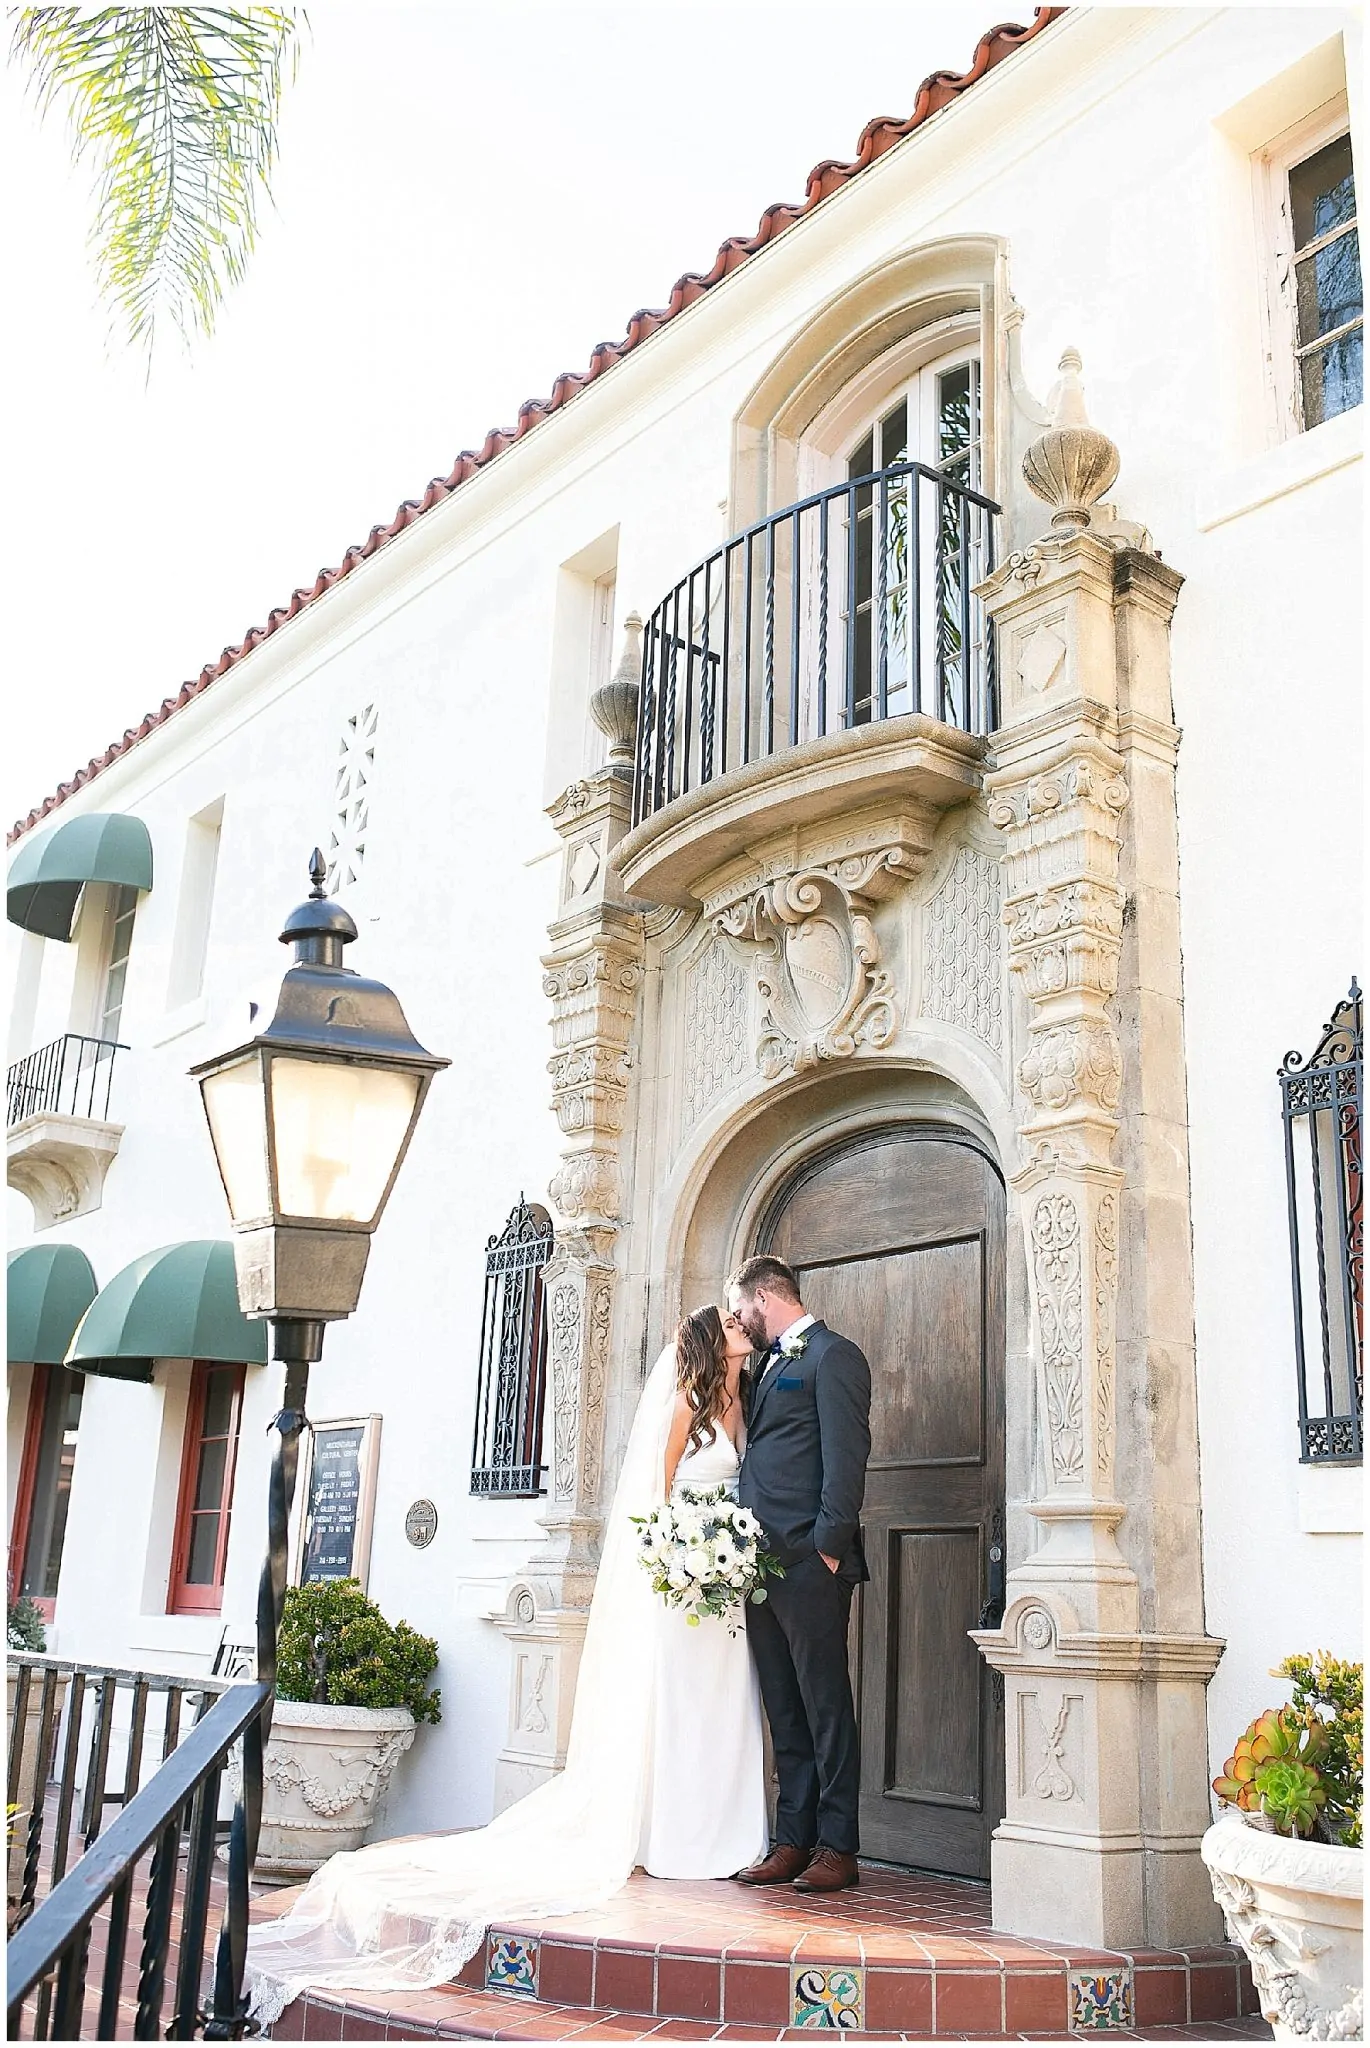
pixel 899 1243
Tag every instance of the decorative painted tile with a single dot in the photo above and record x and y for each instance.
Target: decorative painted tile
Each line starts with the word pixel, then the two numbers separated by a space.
pixel 512 1966
pixel 828 1996
pixel 1099 2003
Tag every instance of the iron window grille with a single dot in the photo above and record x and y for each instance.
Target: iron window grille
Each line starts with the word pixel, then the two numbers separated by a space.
pixel 1322 1158
pixel 506 1458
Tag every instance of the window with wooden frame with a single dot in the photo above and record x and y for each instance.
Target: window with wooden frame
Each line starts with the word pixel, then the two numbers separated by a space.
pixel 43 1494
pixel 204 1505
pixel 1316 301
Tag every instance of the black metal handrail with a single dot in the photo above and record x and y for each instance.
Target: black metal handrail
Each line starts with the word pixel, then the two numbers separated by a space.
pixel 52 1694
pixel 69 1077
pixel 56 1939
pixel 780 636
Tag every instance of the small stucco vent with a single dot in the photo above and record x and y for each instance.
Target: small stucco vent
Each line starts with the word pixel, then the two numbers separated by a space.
pixel 352 800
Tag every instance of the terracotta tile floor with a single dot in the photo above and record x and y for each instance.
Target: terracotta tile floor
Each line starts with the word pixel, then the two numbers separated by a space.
pixel 710 1961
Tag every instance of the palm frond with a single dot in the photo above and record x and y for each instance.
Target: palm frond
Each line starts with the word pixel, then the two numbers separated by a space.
pixel 177 109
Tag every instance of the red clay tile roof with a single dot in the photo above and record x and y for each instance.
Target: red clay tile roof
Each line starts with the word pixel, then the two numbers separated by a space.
pixel 878 136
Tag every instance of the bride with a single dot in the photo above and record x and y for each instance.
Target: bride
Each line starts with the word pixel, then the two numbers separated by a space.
pixel 663 1766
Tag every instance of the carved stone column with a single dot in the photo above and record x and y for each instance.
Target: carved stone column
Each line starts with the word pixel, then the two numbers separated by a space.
pixel 1105 1671
pixel 592 975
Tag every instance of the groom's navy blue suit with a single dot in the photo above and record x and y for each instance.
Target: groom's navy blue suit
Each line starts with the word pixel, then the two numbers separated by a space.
pixel 804 1477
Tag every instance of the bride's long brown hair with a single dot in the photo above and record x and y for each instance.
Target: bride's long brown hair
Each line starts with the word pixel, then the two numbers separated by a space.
pixel 701 1370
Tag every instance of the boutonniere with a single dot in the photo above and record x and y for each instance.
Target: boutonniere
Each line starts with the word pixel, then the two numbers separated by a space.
pixel 795 1345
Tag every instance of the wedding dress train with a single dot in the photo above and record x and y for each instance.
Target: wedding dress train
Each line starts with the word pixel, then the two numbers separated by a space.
pixel 408 1914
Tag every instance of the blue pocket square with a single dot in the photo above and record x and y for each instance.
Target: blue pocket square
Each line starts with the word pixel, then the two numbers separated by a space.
pixel 784 1384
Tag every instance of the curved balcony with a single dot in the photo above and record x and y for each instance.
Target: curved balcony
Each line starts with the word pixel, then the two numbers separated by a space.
pixel 831 660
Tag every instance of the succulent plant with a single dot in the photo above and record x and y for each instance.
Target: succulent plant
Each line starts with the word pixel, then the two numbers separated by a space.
pixel 1328 1694
pixel 1290 1796
pixel 1275 1737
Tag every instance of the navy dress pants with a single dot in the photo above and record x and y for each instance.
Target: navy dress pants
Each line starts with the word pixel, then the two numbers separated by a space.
pixel 799 1639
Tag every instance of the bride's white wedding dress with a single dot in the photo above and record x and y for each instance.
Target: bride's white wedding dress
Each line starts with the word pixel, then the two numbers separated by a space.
pixel 663 1765
pixel 706 1812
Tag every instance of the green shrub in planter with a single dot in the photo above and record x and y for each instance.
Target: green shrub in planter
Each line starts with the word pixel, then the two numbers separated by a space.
pixel 24 1629
pixel 337 1649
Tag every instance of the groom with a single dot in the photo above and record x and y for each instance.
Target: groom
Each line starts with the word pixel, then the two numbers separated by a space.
pixel 804 1476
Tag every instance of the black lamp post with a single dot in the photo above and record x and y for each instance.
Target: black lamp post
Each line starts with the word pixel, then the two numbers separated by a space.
pixel 310 1121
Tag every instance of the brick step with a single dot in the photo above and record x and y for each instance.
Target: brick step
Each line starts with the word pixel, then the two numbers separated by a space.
pixel 902 1955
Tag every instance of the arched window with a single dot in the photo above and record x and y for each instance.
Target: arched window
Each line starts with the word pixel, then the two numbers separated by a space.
pixel 506 1457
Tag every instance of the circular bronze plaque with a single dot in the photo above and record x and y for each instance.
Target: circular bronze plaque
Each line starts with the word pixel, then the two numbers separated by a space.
pixel 421 1524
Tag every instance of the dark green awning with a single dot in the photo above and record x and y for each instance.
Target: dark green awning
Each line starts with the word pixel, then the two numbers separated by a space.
pixel 49 1288
pixel 179 1302
pixel 51 868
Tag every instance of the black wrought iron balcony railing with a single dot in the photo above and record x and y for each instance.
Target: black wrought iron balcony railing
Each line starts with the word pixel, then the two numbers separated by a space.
pixel 853 606
pixel 70 1077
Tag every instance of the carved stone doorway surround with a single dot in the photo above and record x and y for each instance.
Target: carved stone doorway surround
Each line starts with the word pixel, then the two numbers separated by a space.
pixel 1102 1644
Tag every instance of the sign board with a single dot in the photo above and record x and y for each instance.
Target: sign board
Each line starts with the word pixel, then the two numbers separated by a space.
pixel 337 1495
pixel 421 1524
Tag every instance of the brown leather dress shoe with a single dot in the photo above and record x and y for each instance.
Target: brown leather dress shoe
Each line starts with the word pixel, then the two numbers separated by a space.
pixel 781 1866
pixel 828 1871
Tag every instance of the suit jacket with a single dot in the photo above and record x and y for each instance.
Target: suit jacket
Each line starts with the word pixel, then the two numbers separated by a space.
pixel 808 1440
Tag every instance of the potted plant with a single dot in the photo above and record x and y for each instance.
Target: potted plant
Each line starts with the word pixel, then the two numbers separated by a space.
pixel 349 1690
pixel 1285 1856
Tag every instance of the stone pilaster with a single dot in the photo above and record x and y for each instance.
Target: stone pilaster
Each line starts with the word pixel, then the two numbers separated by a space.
pixel 593 977
pixel 1104 1671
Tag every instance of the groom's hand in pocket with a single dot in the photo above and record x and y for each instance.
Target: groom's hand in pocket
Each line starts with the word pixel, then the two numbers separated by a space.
pixel 830 1562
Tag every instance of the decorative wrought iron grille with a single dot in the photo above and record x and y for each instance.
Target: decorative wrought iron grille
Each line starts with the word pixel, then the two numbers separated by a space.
pixel 1323 1173
pixel 507 1455
pixel 855 605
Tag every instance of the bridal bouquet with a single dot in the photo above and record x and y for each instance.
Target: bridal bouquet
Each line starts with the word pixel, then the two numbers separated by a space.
pixel 704 1554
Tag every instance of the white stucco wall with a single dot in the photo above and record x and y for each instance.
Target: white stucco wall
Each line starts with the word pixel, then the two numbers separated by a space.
pixel 1104 157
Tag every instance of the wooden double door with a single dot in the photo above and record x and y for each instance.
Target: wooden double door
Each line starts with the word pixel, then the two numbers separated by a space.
pixel 899 1243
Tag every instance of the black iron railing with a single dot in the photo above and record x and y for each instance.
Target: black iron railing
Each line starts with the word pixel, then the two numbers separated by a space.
pixel 63 1712
pixel 50 1952
pixel 855 605
pixel 52 1947
pixel 1322 1098
pixel 69 1077
pixel 506 1457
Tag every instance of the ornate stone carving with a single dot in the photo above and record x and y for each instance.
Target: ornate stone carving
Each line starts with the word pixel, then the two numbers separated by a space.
pixel 1053 1780
pixel 1056 1264
pixel 1072 464
pixel 594 1380
pixel 1070 1063
pixel 614 706
pixel 820 970
pixel 962 957
pixel 1296 1908
pixel 564 1328
pixel 715 1048
pixel 1037 1629
pixel 1105 1299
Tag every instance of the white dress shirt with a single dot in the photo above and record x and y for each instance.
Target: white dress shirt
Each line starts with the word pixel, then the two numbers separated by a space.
pixel 794 1329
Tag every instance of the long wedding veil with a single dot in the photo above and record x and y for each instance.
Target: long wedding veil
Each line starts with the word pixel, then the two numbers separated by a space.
pixel 407 1914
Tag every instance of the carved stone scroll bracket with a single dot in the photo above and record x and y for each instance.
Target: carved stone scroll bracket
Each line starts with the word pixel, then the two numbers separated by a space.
pixel 825 987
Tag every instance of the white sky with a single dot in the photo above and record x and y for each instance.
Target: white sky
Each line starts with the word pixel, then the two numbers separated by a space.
pixel 467 201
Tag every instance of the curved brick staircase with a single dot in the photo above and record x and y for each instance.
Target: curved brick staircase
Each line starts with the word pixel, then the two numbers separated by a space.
pixel 904 1956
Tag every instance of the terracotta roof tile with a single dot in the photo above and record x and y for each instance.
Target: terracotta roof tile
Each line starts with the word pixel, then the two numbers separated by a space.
pixel 936 92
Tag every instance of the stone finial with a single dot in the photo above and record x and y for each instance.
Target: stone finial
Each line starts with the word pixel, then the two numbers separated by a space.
pixel 613 707
pixel 1072 464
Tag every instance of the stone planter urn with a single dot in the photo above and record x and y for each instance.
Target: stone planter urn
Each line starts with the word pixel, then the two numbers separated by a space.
pixel 1296 1908
pixel 325 1775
